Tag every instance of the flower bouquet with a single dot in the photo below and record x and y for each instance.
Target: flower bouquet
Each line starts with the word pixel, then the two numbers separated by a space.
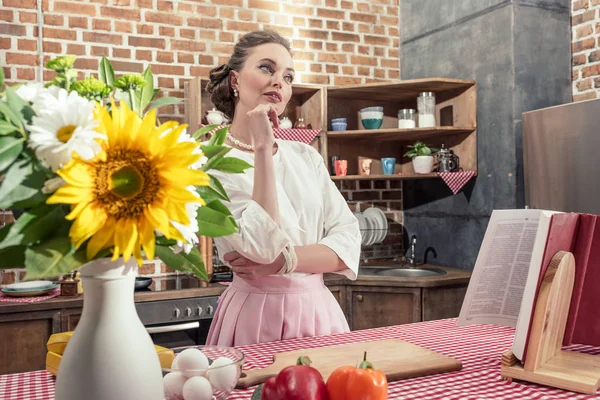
pixel 98 183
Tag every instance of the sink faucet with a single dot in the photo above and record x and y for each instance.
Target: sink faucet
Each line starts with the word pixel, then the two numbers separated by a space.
pixel 427 252
pixel 411 259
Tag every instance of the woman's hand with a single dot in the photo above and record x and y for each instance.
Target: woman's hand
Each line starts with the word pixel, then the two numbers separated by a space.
pixel 260 126
pixel 248 269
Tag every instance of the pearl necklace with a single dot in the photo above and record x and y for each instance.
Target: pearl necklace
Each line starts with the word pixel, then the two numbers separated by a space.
pixel 239 143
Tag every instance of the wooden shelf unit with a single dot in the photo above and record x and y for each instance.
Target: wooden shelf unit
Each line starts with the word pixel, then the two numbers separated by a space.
pixel 456 117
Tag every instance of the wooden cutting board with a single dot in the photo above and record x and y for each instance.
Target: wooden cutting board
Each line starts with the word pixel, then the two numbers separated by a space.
pixel 396 358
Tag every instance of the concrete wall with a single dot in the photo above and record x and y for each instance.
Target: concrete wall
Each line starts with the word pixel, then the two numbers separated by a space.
pixel 519 52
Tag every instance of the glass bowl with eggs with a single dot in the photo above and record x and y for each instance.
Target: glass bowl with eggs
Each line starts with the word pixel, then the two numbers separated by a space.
pixel 202 373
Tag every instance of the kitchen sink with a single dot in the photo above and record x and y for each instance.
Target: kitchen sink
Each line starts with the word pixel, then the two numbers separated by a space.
pixel 402 272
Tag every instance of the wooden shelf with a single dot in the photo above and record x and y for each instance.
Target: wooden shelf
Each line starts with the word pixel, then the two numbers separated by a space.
pixel 373 177
pixel 399 134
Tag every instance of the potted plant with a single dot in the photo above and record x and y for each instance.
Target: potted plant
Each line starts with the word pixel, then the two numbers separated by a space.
pixel 422 157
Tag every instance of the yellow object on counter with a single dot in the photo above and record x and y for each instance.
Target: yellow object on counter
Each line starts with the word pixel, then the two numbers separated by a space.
pixel 58 342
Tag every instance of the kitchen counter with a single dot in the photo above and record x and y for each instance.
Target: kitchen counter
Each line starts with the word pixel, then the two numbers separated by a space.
pixel 478 347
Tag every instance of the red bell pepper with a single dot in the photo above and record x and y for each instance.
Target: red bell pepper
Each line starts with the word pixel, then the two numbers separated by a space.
pixel 362 383
pixel 297 382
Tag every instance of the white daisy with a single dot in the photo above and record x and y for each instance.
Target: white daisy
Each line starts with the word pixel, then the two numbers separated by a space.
pixel 189 232
pixel 52 185
pixel 64 124
pixel 31 91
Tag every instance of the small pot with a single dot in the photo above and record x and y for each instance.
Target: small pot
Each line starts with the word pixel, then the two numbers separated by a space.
pixel 423 164
pixel 142 283
pixel 215 117
pixel 285 123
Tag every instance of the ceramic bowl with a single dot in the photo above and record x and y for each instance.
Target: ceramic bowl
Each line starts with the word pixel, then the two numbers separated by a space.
pixel 371 117
pixel 338 120
pixel 339 126
pixel 222 378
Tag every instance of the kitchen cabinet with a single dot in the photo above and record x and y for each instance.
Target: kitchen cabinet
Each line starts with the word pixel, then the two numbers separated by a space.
pixel 339 292
pixel 372 307
pixel 443 302
pixel 24 336
pixel 69 319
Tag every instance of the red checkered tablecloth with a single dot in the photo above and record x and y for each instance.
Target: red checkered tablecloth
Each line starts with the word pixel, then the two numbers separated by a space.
pixel 478 347
pixel 456 180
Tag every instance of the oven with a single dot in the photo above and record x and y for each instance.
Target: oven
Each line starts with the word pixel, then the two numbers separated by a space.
pixel 178 322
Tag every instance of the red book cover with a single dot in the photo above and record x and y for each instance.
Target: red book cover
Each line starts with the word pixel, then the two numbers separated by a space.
pixel 561 237
pixel 587 323
pixel 581 252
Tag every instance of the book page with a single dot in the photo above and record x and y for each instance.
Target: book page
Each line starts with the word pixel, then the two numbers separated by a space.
pixel 498 280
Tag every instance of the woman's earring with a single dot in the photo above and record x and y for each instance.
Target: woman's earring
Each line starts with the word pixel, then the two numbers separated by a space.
pixel 235 92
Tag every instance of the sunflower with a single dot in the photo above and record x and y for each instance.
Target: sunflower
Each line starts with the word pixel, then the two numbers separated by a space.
pixel 136 185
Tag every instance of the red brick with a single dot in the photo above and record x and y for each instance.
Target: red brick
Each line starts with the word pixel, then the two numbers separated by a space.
pixel 21 59
pixel 264 5
pixel 20 3
pixel 316 67
pixel 393 74
pixel 28 17
pixel 102 38
pixel 123 3
pixel 581 18
pixel 282 30
pixel 13 30
pixel 580 4
pixel 334 25
pixel 316 79
pixel 185 8
pixel 137 41
pixel 346 80
pixel 123 26
pixel 127 66
pixel 332 69
pixel 597 83
pixel 242 26
pixel 56 20
pixel 332 46
pixel 165 5
pixel 208 35
pixel 76 49
pixel 147 269
pixel 8 277
pixel 7 15
pixel 347 5
pixel 202 72
pixel 186 58
pixel 315 45
pixel 164 57
pixel 379 51
pixel 593 57
pixel 206 60
pixel 393 31
pixel 166 82
pixel 220 48
pixel 264 17
pixel 390 63
pixel 298 10
pixel 333 58
pixel 120 13
pixel 72 7
pixel 585 44
pixel 64 34
pixel 27 45
pixel 145 55
pixel 345 37
pixel 210 23
pixel 163 18
pixel 101 24
pixel 52 47
pixel 27 74
pixel 233 3
pixel 299 22
pixel 99 51
pixel 365 28
pixel 364 71
pixel 574 75
pixel 121 53
pixel 392 52
pixel 206 11
pixel 333 14
pixel 584 85
pixel 363 17
pixel 305 55
pixel 379 30
pixel 379 73
pixel 187 33
pixel 584 96
pixel 78 22
pixel 166 31
pixel 332 3
pixel 314 34
pixel 246 15
pixel 144 3
pixel 5 43
pixel 87 63
pixel 226 13
pixel 363 50
pixel 145 29
pixel 225 37
pixel 583 31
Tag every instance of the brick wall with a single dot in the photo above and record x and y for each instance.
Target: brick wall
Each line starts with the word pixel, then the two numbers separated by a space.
pixel 585 22
pixel 335 42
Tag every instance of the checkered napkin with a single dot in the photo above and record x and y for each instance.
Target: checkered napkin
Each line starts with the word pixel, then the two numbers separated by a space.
pixel 32 299
pixel 456 180
pixel 297 135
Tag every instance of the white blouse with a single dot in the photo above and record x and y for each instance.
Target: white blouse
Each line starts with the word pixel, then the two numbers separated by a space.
pixel 311 210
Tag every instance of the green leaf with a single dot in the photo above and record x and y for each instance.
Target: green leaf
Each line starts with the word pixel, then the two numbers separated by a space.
pixel 147 91
pixel 10 115
pixel 218 206
pixel 214 160
pixel 15 102
pixel 203 131
pixel 21 186
pixel 214 191
pixel 164 101
pixel 211 151
pixel 218 187
pixel 10 148
pixel 34 225
pixel 7 128
pixel 154 93
pixel 1 77
pixel 53 257
pixel 16 174
pixel 218 138
pixel 163 241
pixel 106 73
pixel 12 257
pixel 257 392
pixel 183 262
pixel 232 165
pixel 213 223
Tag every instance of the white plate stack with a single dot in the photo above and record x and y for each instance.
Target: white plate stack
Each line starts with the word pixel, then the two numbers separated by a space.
pixel 373 226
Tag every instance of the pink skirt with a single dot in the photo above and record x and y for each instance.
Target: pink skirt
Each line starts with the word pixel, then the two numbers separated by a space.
pixel 275 308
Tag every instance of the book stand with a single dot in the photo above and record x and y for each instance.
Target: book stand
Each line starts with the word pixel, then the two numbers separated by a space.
pixel 546 363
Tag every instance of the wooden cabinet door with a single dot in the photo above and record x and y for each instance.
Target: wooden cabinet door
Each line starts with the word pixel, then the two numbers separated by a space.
pixel 374 306
pixel 70 318
pixel 442 302
pixel 23 340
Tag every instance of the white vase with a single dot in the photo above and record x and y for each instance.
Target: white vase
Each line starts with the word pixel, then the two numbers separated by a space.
pixel 110 355
pixel 423 164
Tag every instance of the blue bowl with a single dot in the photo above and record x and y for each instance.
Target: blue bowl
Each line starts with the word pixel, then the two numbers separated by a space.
pixel 372 123
pixel 338 120
pixel 339 126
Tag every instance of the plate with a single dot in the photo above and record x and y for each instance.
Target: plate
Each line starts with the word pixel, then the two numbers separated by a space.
pixel 29 286
pixel 29 293
pixel 362 225
pixel 380 222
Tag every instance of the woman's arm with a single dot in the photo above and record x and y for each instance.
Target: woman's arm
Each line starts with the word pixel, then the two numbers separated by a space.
pixel 264 191
pixel 318 258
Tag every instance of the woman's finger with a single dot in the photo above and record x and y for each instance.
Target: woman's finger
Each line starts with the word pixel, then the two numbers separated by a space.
pixel 273 117
pixel 232 255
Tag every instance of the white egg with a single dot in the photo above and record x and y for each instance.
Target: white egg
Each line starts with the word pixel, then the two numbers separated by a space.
pixel 197 388
pixel 192 362
pixel 173 383
pixel 222 374
pixel 174 363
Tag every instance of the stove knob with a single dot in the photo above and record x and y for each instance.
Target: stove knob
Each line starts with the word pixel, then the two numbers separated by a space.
pixel 187 312
pixel 209 310
pixel 176 312
pixel 198 310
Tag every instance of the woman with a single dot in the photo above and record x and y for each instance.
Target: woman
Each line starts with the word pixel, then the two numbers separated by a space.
pixel 294 225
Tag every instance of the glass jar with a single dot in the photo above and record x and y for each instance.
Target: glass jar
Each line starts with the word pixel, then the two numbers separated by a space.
pixel 407 118
pixel 426 107
pixel 300 124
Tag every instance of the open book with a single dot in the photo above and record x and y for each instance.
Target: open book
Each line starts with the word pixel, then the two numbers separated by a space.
pixel 516 250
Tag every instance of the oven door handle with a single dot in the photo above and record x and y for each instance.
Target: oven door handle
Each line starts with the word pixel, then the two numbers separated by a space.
pixel 173 328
